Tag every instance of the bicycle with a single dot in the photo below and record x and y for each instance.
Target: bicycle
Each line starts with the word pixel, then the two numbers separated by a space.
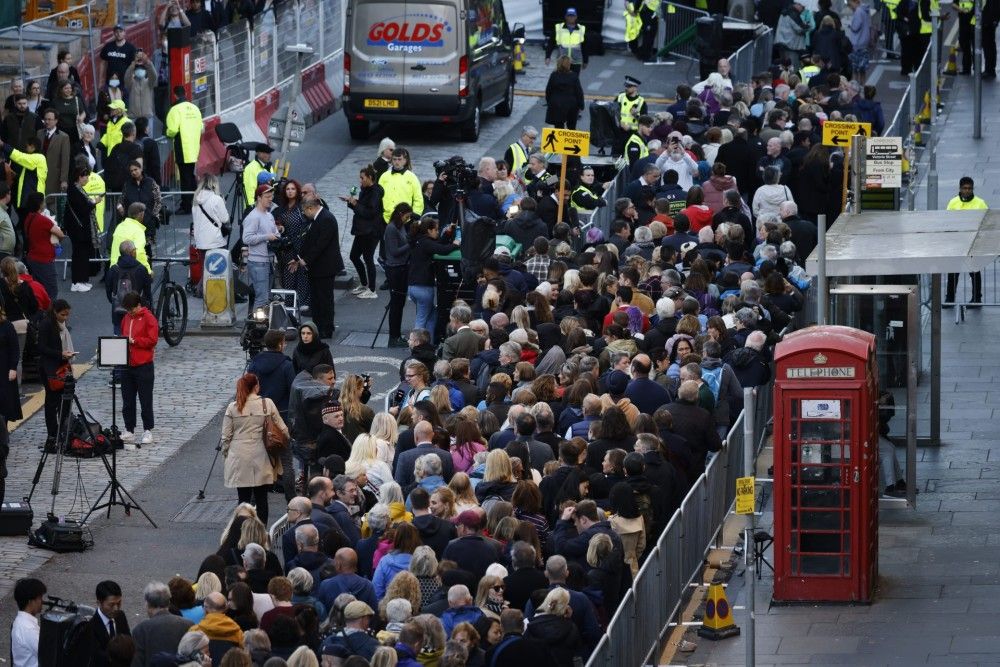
pixel 171 303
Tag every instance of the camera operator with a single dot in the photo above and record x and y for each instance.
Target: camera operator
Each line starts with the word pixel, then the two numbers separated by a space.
pixel 29 594
pixel 259 229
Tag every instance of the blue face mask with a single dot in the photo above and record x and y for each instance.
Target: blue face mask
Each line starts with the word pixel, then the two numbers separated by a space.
pixel 113 83
pixel 140 74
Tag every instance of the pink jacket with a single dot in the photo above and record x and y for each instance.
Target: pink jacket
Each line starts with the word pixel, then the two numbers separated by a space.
pixel 714 189
pixel 462 455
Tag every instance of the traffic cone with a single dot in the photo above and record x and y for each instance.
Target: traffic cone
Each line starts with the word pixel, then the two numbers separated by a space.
pixel 718 621
pixel 951 67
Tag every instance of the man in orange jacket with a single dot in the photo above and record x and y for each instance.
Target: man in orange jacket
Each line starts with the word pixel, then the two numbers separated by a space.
pixel 142 330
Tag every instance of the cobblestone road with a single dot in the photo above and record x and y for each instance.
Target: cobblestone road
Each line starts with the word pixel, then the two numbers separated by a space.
pixel 193 382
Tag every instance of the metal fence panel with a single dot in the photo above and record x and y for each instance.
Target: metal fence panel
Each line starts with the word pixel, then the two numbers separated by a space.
pixel 622 648
pixel 309 29
pixel 287 60
pixel 203 74
pixel 669 551
pixel 678 32
pixel 333 38
pixel 234 49
pixel 648 587
pixel 264 50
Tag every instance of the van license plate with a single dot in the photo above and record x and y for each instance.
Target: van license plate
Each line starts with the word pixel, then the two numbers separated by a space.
pixel 381 104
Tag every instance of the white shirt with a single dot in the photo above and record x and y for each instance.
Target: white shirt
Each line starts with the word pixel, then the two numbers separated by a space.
pixel 24 640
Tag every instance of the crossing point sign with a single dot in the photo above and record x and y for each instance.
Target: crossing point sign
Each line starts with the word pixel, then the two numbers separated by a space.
pixel 744 495
pixel 566 142
pixel 839 133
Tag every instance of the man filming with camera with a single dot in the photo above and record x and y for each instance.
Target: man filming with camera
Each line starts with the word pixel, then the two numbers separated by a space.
pixel 259 229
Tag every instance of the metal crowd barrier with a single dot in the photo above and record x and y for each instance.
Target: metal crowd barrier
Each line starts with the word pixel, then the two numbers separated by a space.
pixel 753 57
pixel 678 33
pixel 636 630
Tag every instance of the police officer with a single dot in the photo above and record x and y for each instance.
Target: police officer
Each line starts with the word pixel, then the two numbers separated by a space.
pixel 261 162
pixel 633 26
pixel 588 195
pixel 113 130
pixel 185 125
pixel 650 24
pixel 635 145
pixel 568 37
pixel 631 105
pixel 516 155
pixel 966 200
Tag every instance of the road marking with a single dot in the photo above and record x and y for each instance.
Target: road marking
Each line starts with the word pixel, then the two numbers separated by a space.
pixel 389 361
pixel 605 74
pixel 594 85
pixel 617 62
pixel 36 400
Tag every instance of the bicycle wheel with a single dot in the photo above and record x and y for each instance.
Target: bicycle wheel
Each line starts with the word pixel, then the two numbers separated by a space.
pixel 174 315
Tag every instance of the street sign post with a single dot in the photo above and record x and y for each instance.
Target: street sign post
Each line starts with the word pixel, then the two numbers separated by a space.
pixel 565 142
pixel 884 162
pixel 838 133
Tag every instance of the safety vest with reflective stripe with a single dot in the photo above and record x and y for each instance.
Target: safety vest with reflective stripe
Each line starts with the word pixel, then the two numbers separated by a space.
pixel 184 119
pixel 633 24
pixel 967 7
pixel 636 140
pixel 583 190
pixel 808 72
pixel 250 173
pixel 570 42
pixel 519 157
pixel 629 108
pixel 95 186
pixel 652 5
pixel 926 27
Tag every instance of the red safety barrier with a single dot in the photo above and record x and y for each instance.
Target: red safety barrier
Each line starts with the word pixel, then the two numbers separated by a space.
pixel 317 93
pixel 213 151
pixel 264 107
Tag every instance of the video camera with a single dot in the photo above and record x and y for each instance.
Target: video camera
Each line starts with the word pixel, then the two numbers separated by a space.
pixel 459 176
pixel 52 602
pixel 252 336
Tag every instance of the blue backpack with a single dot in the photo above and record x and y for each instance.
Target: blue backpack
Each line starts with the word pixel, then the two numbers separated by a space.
pixel 713 378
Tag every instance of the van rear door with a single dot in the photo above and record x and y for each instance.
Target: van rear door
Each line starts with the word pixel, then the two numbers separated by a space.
pixel 433 51
pixel 404 58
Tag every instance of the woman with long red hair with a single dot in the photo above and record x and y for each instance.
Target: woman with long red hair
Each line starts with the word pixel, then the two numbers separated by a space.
pixel 248 467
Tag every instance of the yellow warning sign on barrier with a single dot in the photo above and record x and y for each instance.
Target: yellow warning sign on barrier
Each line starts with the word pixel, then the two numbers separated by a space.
pixel 839 133
pixel 566 142
pixel 745 499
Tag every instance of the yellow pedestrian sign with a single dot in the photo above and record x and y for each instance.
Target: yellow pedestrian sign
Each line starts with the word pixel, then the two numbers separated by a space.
pixel 566 142
pixel 839 133
pixel 745 495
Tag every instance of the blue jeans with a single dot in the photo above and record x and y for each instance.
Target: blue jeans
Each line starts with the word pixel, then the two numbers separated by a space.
pixel 423 297
pixel 260 279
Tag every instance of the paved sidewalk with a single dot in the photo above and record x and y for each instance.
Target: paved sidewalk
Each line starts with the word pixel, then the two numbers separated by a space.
pixel 939 573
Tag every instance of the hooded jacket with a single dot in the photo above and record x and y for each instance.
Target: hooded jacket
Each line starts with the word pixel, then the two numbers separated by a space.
pixel 560 636
pixel 307 357
pixel 275 372
pixel 388 567
pixel 221 627
pixel 455 615
pixel 750 366
pixel 435 532
pixel 143 331
pixel 524 228
pixel 714 189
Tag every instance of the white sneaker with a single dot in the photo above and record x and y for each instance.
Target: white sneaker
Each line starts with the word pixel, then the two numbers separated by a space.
pixel 75 287
pixel 360 289
pixel 368 294
pixel 86 287
pixel 128 436
pixel 147 437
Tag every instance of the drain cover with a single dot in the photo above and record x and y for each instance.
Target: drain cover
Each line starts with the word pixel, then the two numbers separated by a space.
pixel 213 509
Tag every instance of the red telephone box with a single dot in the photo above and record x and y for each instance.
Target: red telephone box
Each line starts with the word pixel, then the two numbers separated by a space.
pixel 826 466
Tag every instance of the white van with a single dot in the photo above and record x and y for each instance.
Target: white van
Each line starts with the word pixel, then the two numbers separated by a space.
pixel 443 61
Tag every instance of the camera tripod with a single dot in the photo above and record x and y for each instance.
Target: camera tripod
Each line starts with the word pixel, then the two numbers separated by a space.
pixel 119 496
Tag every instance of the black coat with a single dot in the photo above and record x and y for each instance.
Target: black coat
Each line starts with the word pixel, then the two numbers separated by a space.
pixel 435 532
pixel 321 247
pixel 49 347
pixel 368 219
pixel 10 352
pixel 741 164
pixel 517 652
pixel 20 303
pixel 78 210
pixel 423 249
pixel 524 228
pixel 697 425
pixel 560 636
pixel 521 584
pixel 564 97
pixel 97 638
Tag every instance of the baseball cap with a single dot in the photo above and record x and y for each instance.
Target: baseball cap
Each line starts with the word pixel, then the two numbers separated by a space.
pixel 571 11
pixel 265 177
pixel 357 609
pixel 501 250
pixel 117 104
pixel 688 247
pixel 262 190
pixel 617 382
pixel 264 148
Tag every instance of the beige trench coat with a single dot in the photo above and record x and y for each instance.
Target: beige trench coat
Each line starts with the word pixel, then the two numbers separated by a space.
pixel 247 462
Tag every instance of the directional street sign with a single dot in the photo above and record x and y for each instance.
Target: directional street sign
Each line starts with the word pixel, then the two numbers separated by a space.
pixel 884 162
pixel 566 142
pixel 839 133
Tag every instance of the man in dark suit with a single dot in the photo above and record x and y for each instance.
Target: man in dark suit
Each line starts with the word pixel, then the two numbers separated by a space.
pixel 422 434
pixel 299 513
pixel 162 631
pixel 54 144
pixel 108 622
pixel 525 577
pixel 321 258
pixel 695 424
pixel 464 342
pixel 649 179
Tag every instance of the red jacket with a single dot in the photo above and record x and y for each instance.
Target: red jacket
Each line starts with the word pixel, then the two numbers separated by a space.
pixel 143 329
pixel 40 294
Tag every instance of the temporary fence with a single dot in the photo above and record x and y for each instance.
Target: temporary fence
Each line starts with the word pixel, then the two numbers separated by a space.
pixel 911 122
pixel 753 57
pixel 602 216
pixel 678 35
pixel 243 62
pixel 636 630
